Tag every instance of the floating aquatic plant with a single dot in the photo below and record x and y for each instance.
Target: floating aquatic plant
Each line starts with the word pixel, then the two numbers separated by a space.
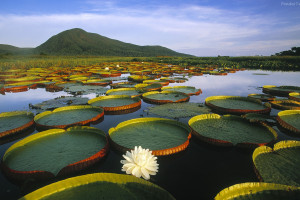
pixel 140 162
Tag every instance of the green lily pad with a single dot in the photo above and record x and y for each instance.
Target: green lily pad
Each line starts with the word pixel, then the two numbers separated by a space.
pixel 124 91
pixel 116 102
pixel 294 96
pixel 68 116
pixel 179 110
pixel 161 136
pixel 86 89
pixel 101 186
pixel 259 191
pixel 262 97
pixel 165 97
pixel 232 130
pixel 254 117
pixel 280 90
pixel 278 165
pixel 56 151
pixel 15 121
pixel 286 104
pixel 184 89
pixel 123 85
pixel 237 105
pixel 289 120
pixel 60 102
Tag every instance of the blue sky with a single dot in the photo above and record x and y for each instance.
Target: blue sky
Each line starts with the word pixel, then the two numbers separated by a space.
pixel 197 27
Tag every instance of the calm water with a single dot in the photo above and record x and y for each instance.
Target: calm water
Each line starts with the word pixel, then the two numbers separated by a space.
pixel 201 170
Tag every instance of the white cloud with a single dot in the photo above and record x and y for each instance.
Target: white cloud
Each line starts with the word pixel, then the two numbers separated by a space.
pixel 190 28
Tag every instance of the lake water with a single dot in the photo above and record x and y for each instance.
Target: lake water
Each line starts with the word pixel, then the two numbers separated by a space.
pixel 201 170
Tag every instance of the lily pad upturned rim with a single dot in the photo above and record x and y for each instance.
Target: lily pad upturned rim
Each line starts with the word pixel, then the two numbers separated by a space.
pixel 18 129
pixel 285 125
pixel 67 108
pixel 267 106
pixel 124 89
pixel 161 152
pixel 251 188
pixel 71 168
pixel 197 91
pixel 155 101
pixel 266 149
pixel 262 97
pixel 275 90
pixel 137 102
pixel 279 104
pixel 293 96
pixel 78 181
pixel 220 142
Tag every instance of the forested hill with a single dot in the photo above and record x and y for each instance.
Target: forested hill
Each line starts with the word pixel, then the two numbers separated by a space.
pixel 79 42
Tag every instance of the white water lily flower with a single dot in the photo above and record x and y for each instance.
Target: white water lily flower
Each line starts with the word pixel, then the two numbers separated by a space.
pixel 140 162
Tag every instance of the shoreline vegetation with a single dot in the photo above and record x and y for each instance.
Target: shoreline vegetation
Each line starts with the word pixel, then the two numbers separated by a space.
pixel 278 63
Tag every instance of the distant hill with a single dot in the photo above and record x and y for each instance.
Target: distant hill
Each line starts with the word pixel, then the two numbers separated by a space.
pixel 79 42
pixel 9 49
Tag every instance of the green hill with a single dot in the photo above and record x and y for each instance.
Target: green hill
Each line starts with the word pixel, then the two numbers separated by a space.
pixel 79 42
pixel 9 49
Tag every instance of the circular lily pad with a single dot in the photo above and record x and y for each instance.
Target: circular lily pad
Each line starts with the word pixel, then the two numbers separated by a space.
pixel 232 130
pixel 60 102
pixel 148 87
pixel 116 102
pixel 289 120
pixel 161 136
pixel 123 85
pixel 165 97
pixel 14 122
pixel 294 96
pixel 85 89
pixel 254 117
pixel 236 105
pixel 278 165
pixel 184 89
pixel 68 116
pixel 259 191
pixel 101 186
pixel 162 82
pixel 262 97
pixel 125 91
pixel 280 90
pixel 55 152
pixel 286 104
pixel 179 110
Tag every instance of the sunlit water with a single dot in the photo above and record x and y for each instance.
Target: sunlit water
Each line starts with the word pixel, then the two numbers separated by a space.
pixel 201 170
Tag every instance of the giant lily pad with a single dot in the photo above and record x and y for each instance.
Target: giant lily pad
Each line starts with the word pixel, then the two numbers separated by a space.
pixel 278 165
pixel 232 130
pixel 165 97
pixel 286 104
pixel 258 191
pixel 86 89
pixel 280 90
pixel 161 136
pixel 262 97
pixel 184 89
pixel 294 96
pixel 68 116
pixel 101 186
pixel 55 152
pixel 116 102
pixel 125 91
pixel 289 120
pixel 179 110
pixel 60 102
pixel 144 87
pixel 14 122
pixel 123 85
pixel 236 105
